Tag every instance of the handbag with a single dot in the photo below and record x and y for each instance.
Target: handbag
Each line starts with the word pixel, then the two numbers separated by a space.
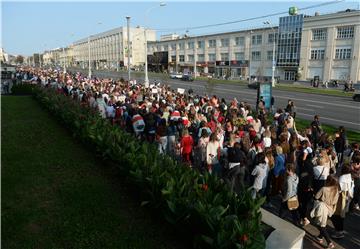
pixel 293 203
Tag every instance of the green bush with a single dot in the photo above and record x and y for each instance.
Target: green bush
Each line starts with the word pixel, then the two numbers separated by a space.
pixel 23 89
pixel 201 205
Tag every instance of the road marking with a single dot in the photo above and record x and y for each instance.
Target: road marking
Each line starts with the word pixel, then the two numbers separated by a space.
pixel 306 109
pixel 331 119
pixel 315 106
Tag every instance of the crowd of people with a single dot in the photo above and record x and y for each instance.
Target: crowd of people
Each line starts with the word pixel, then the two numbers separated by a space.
pixel 315 174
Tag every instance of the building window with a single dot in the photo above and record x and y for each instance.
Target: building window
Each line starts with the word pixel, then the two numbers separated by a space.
pixel 224 56
pixel 201 57
pixel 256 39
pixel 212 43
pixel 173 46
pixel 200 44
pixel 190 45
pixel 190 58
pixel 317 54
pixel 345 32
pixel 181 46
pixel 256 55
pixel 343 53
pixel 181 58
pixel 212 57
pixel 271 37
pixel 225 42
pixel 270 55
pixel 173 58
pixel 239 56
pixel 239 41
pixel 318 34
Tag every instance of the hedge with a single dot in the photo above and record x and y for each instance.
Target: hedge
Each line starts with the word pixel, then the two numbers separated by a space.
pixel 22 89
pixel 201 205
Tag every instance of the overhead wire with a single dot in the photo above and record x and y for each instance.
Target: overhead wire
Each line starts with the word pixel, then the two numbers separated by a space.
pixel 247 19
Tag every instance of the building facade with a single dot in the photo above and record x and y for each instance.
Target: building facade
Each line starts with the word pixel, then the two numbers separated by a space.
pixel 288 54
pixel 330 47
pixel 229 55
pixel 327 46
pixel 109 49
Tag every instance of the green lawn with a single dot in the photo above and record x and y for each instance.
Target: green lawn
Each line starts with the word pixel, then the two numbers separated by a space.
pixel 56 194
pixel 353 136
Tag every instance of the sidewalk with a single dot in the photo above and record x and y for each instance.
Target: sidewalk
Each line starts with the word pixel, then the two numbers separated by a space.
pixel 352 230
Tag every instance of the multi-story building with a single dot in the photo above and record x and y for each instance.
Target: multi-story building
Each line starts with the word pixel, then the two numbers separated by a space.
pixel 330 46
pixel 288 54
pixel 110 50
pixel 3 56
pixel 52 57
pixel 327 46
pixel 227 54
pixel 169 37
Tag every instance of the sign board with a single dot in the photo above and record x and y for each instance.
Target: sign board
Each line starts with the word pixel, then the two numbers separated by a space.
pixel 265 91
pixel 293 11
pixel 181 90
pixel 154 90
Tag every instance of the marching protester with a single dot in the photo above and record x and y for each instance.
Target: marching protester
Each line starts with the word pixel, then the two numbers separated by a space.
pixel 246 148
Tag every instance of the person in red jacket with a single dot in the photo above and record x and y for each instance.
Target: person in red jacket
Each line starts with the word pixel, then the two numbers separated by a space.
pixel 186 146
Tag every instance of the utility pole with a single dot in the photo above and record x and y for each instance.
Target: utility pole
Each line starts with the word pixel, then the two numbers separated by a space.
pixel 128 46
pixel 89 75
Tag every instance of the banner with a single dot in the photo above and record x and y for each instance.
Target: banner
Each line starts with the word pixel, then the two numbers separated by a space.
pixel 181 90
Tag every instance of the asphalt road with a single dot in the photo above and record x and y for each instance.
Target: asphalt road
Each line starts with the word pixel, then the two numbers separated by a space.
pixel 333 110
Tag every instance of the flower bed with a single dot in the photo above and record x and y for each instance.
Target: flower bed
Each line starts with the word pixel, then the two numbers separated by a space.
pixel 202 205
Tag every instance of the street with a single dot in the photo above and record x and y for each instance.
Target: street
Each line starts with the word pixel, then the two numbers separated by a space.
pixel 333 110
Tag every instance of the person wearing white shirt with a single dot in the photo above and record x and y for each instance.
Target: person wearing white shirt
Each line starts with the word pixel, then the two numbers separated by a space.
pixel 260 173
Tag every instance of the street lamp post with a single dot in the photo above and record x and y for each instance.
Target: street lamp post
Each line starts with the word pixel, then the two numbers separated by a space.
pixel 64 61
pixel 146 83
pixel 128 46
pixel 250 55
pixel 89 75
pixel 273 55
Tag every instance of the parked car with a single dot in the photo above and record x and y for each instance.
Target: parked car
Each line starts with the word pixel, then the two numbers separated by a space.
pixel 187 77
pixel 176 75
pixel 253 85
pixel 356 97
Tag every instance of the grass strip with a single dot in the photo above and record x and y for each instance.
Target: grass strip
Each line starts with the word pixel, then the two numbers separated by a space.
pixel 56 194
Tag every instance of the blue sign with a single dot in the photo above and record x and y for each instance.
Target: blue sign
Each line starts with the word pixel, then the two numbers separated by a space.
pixel 266 93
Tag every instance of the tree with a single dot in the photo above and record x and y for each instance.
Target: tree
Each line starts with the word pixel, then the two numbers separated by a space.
pixel 19 59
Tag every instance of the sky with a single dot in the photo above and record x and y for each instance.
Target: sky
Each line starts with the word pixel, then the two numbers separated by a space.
pixel 32 27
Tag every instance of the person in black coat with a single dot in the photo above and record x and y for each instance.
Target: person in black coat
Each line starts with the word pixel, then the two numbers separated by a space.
pixel 237 161
pixel 340 143
pixel 306 176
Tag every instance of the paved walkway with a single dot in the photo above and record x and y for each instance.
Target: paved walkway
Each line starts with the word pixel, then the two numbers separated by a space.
pixel 352 230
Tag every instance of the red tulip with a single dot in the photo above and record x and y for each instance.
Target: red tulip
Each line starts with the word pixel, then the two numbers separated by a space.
pixel 244 238
pixel 205 187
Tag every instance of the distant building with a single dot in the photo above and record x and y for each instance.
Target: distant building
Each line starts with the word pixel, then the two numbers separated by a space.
pixel 110 50
pixel 225 54
pixel 330 46
pixel 4 57
pixel 169 37
pixel 327 46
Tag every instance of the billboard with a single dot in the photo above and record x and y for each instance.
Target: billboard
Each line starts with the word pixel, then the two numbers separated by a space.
pixel 265 91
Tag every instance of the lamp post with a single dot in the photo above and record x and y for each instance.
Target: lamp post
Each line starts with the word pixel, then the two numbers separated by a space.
pixel 250 55
pixel 146 83
pixel 273 55
pixel 89 75
pixel 64 60
pixel 128 46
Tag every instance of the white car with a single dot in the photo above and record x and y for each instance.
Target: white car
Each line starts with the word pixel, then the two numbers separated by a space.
pixel 176 75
